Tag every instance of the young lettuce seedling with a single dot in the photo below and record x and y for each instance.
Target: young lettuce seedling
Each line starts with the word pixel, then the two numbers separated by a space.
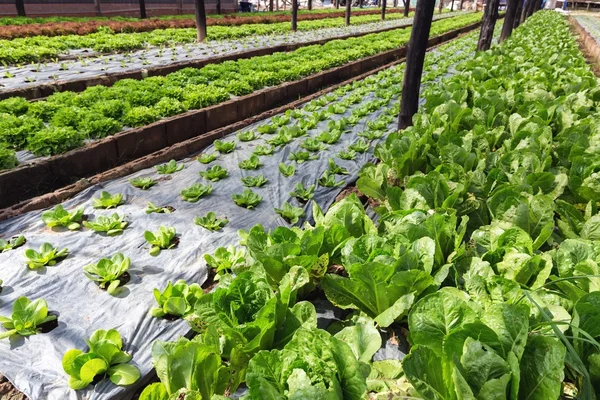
pixel 313 145
pixel 13 243
pixel 328 180
pixel 336 169
pixel 224 147
pixel 247 136
pixel 250 164
pixel 287 170
pixel 159 210
pixel 176 299
pixel 360 146
pixel 107 201
pixel 211 222
pixel 163 239
pixel 27 318
pixel 301 156
pixel 112 225
pixel 58 216
pixel 226 260
pixel 254 181
pixel 290 213
pixel 263 150
pixel 206 158
pixel 108 271
pixel 169 168
pixel 195 192
pixel 143 183
pixel 248 199
pixel 347 154
pixel 104 358
pixel 214 173
pixel 48 255
pixel 303 194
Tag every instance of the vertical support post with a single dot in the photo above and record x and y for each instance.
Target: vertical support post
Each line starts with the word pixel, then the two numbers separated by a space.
pixel 20 4
pixel 383 5
pixel 219 6
pixel 200 13
pixel 142 9
pixel 461 5
pixel 441 5
pixel 309 5
pixel 406 7
pixel 509 19
pixel 294 15
pixel 348 8
pixel 98 7
pixel 487 26
pixel 417 46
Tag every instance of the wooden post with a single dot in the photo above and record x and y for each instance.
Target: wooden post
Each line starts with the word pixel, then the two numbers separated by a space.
pixel 406 7
pixel 179 6
pixel 518 13
pixel 461 5
pixel 417 46
pixel 441 5
pixel 98 7
pixel 509 19
pixel 142 9
pixel 309 5
pixel 395 3
pixel 347 15
pixel 488 24
pixel 452 5
pixel 294 15
pixel 200 20
pixel 383 5
pixel 271 5
pixel 530 8
pixel 218 5
pixel 337 4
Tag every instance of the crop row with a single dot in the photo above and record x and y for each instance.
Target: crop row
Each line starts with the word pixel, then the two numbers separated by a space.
pixel 124 26
pixel 486 245
pixel 39 48
pixel 65 120
pixel 315 128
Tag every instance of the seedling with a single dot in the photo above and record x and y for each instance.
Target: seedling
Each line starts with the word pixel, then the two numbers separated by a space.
pixel 250 164
pixel 108 271
pixel 211 222
pixel 280 139
pixel 347 154
pixel 280 120
pixel 247 136
pixel 143 183
pixel 27 318
pixel 303 194
pixel 159 210
pixel 58 216
pixel 290 213
pixel 336 169
pixel 328 180
pixel 107 201
pixel 161 240
pixel 207 158
pixel 214 173
pixel 195 192
pixel 48 255
pixel 104 358
pixel 169 168
pixel 360 146
pixel 226 260
pixel 112 225
pixel 301 156
pixel 263 150
pixel 248 199
pixel 313 145
pixel 254 181
pixel 371 135
pixel 331 137
pixel 224 147
pixel 287 170
pixel 268 129
pixel 12 243
pixel 176 300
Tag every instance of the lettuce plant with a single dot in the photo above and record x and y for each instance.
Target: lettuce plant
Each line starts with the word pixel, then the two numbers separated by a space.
pixel 263 150
pixel 224 147
pixel 58 216
pixel 143 183
pixel 347 154
pixel 163 239
pixel 27 318
pixel 360 146
pixel 336 169
pixel 247 136
pixel 211 222
pixel 251 163
pixel 281 120
pixel 107 272
pixel 226 260
pixel 303 194
pixel 313 145
pixel 302 156
pixel 287 170
pixel 12 243
pixel 247 199
pixel 206 158
pixel 47 255
pixel 254 181
pixel 268 129
pixel 282 138
pixel 176 299
pixel 331 137
pixel 107 200
pixel 159 210
pixel 214 173
pixel 290 213
pixel 112 225
pixel 169 168
pixel 328 180
pixel 105 358
pixel 196 192
pixel 371 135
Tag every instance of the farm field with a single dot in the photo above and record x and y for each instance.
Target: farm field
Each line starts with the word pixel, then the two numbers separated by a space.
pixel 320 252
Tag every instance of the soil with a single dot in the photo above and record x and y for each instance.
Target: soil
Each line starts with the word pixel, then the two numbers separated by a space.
pixel 8 391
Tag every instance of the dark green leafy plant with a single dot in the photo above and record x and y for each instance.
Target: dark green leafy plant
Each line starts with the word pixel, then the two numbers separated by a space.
pixel 159 210
pixel 107 200
pixel 143 183
pixel 54 140
pixel 164 239
pixel 303 194
pixel 8 157
pixel 211 222
pixel 196 192
pixel 104 358
pixel 263 150
pixel 109 272
pixel 226 260
pixel 140 116
pixel 251 163
pixel 27 318
pixel 328 180
pixel 169 168
pixel 301 156
pixel 254 181
pixel 214 173
pixel 12 243
pixel 48 255
pixel 287 170
pixel 336 169
pixel 207 158
pixel 58 216
pixel 176 299
pixel 247 199
pixel 112 225
pixel 290 213
pixel 224 147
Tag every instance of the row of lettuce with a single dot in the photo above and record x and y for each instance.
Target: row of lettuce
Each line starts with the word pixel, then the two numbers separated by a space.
pixel 486 246
pixel 105 40
pixel 65 120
